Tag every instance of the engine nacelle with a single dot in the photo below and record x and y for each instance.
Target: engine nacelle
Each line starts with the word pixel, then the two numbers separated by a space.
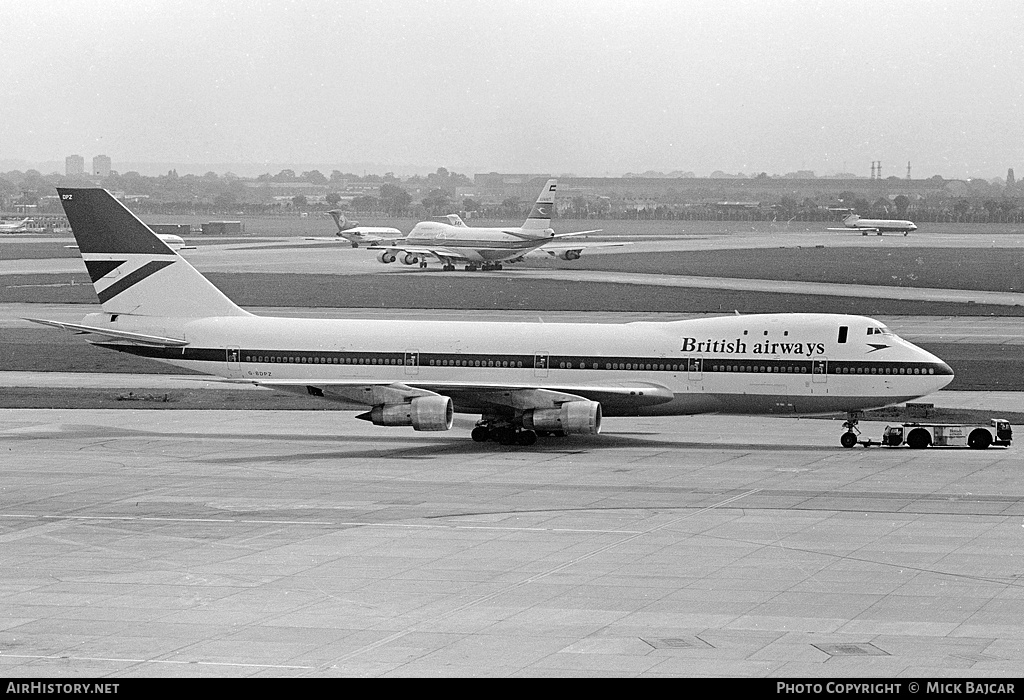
pixel 386 256
pixel 422 413
pixel 572 418
pixel 410 259
pixel 569 255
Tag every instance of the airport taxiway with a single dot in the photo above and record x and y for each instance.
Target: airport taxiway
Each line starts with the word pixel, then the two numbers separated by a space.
pixel 294 543
pixel 307 543
pixel 292 255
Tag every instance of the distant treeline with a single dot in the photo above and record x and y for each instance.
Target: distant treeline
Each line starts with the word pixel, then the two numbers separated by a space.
pixel 435 194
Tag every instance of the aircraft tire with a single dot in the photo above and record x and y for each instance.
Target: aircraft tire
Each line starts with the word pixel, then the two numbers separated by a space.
pixel 505 436
pixel 480 434
pixel 848 439
pixel 979 439
pixel 526 438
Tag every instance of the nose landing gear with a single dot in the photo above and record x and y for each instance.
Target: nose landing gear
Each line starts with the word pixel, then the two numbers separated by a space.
pixel 849 438
pixel 852 435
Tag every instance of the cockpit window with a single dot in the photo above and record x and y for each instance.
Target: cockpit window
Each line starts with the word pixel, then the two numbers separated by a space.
pixel 879 330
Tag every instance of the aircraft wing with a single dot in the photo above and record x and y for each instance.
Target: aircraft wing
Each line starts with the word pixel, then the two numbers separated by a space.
pixel 439 253
pixel 471 398
pixel 855 228
pixel 531 236
pixel 340 239
pixel 573 249
pixel 576 233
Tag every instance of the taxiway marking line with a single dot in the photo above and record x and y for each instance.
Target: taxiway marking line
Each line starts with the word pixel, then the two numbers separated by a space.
pixel 147 661
pixel 133 518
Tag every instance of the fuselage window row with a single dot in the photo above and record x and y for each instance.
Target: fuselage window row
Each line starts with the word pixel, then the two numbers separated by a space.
pixel 785 367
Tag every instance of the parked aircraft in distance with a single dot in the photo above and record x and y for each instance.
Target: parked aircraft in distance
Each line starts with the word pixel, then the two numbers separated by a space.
pixel 355 234
pixel 172 241
pixel 14 226
pixel 879 226
pixel 524 379
pixel 449 240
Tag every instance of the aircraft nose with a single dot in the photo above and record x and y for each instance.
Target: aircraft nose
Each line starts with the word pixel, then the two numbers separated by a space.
pixel 938 370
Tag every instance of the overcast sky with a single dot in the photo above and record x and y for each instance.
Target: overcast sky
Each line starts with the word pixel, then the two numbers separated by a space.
pixel 590 87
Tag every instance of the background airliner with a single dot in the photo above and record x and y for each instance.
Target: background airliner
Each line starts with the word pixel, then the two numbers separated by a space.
pixel 14 226
pixel 449 240
pixel 524 380
pixel 879 226
pixel 169 239
pixel 355 234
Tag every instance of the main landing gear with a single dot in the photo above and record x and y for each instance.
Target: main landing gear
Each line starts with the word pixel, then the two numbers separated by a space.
pixel 486 267
pixel 506 433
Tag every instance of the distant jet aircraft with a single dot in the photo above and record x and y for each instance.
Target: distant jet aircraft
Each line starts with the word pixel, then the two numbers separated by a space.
pixel 355 234
pixel 170 240
pixel 449 240
pixel 879 226
pixel 14 226
pixel 174 242
pixel 524 380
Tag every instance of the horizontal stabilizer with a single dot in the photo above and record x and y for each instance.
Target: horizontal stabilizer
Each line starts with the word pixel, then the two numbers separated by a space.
pixel 141 338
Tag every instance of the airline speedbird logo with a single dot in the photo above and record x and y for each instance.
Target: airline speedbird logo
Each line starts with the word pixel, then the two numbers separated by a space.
pixel 739 347
pixel 111 277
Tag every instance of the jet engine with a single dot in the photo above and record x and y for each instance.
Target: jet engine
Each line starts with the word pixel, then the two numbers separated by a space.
pixel 409 259
pixel 572 418
pixel 569 255
pixel 386 256
pixel 422 413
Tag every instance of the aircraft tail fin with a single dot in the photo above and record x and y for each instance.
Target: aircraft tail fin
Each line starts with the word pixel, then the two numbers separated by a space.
pixel 540 216
pixel 851 219
pixel 132 270
pixel 341 221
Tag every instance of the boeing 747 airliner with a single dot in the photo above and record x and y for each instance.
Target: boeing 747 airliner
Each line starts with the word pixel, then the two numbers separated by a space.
pixel 524 380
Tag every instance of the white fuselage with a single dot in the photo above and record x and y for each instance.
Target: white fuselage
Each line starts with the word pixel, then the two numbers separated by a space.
pixel 884 225
pixel 15 226
pixel 478 244
pixel 770 363
pixel 371 232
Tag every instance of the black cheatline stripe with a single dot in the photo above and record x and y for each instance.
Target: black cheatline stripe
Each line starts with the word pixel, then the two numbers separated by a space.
pixel 553 362
pixel 98 269
pixel 132 279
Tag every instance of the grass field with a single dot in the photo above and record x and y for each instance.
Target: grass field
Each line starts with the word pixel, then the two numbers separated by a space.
pixel 438 290
pixel 988 269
